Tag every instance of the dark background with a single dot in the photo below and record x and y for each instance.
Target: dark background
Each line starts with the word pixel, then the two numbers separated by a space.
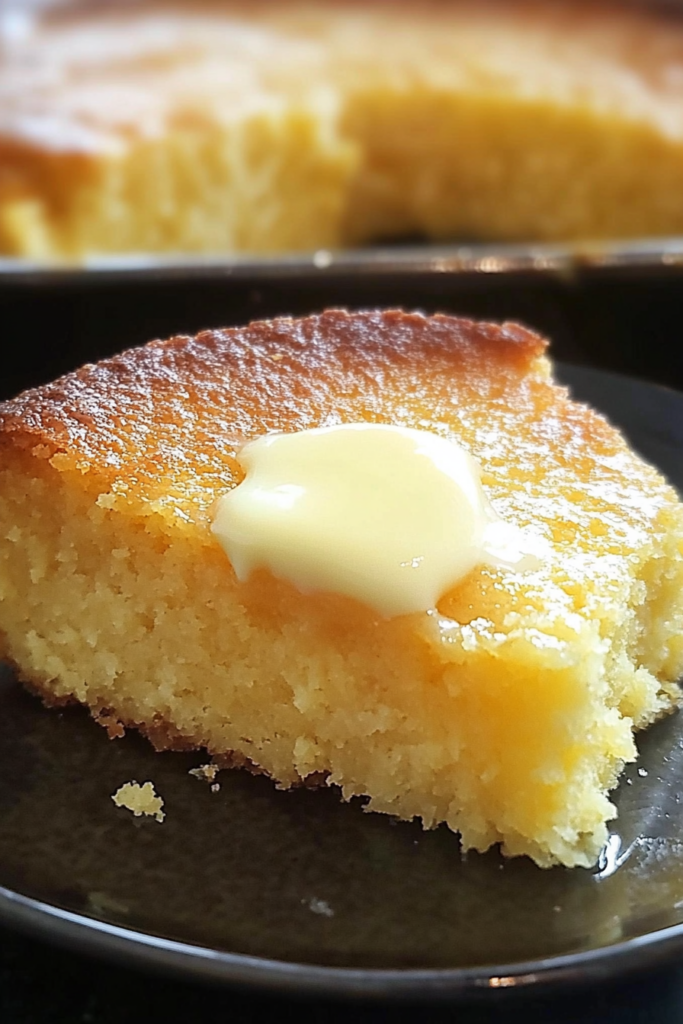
pixel 41 985
pixel 626 321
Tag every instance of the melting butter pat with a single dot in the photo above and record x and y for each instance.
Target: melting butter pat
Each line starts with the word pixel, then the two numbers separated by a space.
pixel 391 516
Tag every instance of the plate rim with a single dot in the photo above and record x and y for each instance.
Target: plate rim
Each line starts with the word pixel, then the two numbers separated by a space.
pixel 138 949
pixel 92 936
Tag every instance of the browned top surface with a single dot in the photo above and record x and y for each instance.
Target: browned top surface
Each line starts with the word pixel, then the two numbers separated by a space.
pixel 284 374
pixel 159 426
pixel 187 402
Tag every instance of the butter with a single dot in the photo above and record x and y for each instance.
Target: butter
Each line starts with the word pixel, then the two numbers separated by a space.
pixel 390 516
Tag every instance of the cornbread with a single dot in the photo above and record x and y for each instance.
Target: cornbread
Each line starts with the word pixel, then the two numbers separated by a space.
pixel 206 773
pixel 140 800
pixel 507 711
pixel 269 127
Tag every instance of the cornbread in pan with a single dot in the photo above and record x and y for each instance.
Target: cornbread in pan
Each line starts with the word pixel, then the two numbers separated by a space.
pixel 269 127
pixel 507 711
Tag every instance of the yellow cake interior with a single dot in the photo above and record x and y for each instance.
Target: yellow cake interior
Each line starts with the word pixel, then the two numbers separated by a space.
pixel 507 712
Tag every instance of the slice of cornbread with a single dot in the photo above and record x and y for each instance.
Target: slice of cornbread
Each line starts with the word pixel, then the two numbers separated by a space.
pixel 507 711
pixel 270 126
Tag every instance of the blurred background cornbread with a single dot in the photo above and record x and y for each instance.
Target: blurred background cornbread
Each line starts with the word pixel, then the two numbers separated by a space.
pixel 270 127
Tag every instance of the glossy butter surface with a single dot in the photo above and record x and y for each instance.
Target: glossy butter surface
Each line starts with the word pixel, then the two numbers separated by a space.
pixel 388 515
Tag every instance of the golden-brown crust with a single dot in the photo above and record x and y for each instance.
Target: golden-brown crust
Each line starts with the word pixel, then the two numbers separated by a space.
pixel 122 418
pixel 326 345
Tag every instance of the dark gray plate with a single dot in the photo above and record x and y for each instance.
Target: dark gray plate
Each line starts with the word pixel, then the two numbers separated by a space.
pixel 297 890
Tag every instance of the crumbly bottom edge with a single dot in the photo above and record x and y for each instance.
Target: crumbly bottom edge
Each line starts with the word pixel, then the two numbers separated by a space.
pixel 161 733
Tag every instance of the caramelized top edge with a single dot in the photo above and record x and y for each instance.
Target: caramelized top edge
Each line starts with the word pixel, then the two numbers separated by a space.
pixel 252 365
pixel 164 422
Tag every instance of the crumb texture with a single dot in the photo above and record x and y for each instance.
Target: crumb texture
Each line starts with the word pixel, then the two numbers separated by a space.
pixel 140 799
pixel 507 712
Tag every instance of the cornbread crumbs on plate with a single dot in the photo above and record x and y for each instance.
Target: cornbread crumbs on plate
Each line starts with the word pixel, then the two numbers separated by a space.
pixel 320 907
pixel 205 773
pixel 140 799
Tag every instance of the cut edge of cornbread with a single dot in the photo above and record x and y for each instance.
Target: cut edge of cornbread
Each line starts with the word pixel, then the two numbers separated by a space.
pixel 262 181
pixel 507 712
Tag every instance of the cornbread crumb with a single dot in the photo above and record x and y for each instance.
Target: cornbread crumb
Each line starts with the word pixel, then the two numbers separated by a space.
pixel 115 729
pixel 320 907
pixel 205 772
pixel 140 799
pixel 103 904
